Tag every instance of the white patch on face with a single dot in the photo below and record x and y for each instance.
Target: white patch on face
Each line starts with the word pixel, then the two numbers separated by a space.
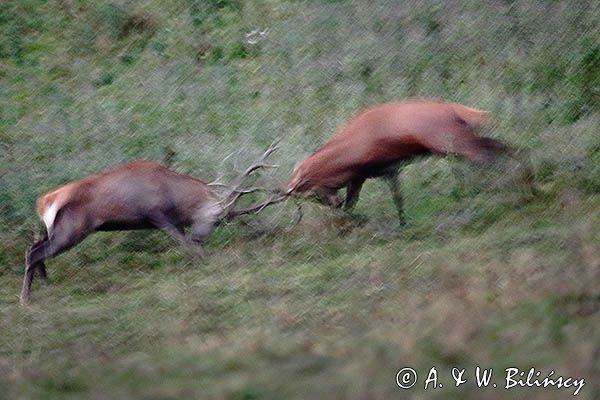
pixel 49 216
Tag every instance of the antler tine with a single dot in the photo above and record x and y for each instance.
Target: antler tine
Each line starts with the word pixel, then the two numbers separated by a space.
pixel 251 190
pixel 237 191
pixel 260 163
pixel 218 186
pixel 274 199
pixel 217 182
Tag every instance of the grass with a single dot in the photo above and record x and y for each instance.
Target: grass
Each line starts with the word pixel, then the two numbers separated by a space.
pixel 483 274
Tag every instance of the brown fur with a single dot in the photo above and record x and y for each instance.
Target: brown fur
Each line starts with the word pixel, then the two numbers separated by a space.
pixel 140 194
pixel 378 139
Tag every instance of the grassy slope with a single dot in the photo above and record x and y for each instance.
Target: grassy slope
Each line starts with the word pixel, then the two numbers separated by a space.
pixel 483 275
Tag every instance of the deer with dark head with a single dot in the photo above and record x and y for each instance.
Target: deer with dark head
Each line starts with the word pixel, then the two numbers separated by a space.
pixel 380 139
pixel 137 195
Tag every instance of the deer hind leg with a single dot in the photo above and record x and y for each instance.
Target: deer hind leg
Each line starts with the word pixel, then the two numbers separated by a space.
pixel 492 149
pixel 392 179
pixel 30 269
pixel 480 150
pixel 39 267
pixel 460 139
pixel 67 232
pixel 487 151
pixel 526 173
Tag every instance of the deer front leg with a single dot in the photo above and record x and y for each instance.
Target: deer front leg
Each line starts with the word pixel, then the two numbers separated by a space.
pixel 204 222
pixel 177 232
pixel 352 192
pixel 328 197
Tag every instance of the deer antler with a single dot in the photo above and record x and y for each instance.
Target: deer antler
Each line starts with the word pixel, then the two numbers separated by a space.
pixel 255 209
pixel 218 182
pixel 237 190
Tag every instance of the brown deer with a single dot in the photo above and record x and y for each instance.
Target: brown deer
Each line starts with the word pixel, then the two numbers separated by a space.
pixel 137 195
pixel 378 140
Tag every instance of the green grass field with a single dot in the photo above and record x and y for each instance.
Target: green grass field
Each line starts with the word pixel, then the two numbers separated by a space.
pixel 484 274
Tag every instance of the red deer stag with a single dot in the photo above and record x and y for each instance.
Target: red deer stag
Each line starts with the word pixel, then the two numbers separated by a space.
pixel 377 141
pixel 137 195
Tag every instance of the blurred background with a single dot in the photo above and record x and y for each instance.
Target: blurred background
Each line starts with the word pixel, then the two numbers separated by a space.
pixel 483 274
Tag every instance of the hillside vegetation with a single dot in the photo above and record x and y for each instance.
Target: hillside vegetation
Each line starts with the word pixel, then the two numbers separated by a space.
pixel 484 274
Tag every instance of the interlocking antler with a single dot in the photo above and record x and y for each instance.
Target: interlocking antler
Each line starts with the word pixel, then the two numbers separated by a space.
pixel 238 189
pixel 255 209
